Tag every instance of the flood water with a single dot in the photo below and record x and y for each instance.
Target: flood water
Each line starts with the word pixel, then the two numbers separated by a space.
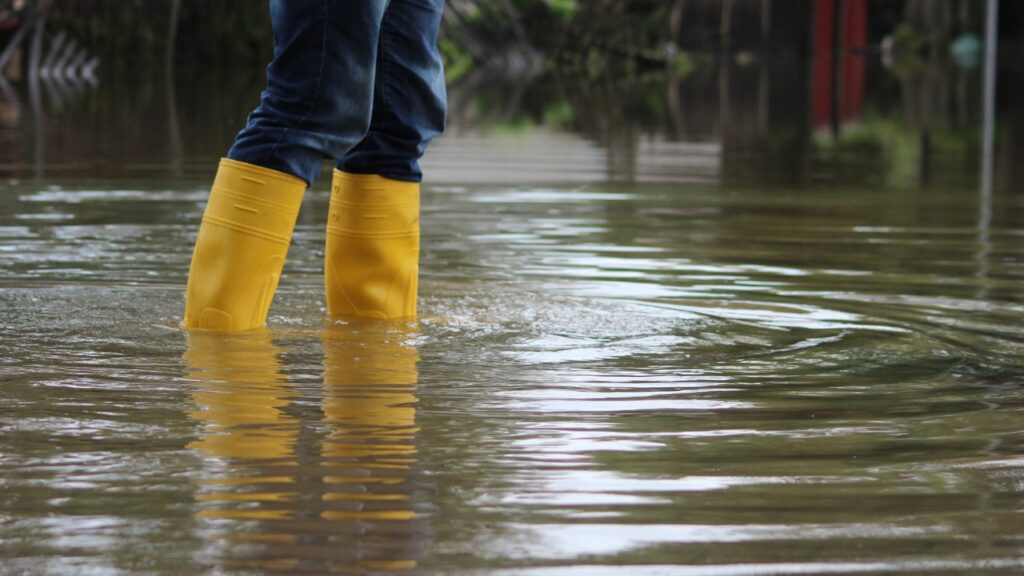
pixel 641 351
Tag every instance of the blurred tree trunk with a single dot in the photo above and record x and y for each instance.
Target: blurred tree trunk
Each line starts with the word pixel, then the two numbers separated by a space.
pixel 172 32
pixel 675 21
pixel 726 28
pixel 176 143
pixel 929 15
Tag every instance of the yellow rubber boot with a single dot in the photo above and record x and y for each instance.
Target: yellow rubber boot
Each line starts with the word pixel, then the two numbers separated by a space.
pixel 242 245
pixel 373 247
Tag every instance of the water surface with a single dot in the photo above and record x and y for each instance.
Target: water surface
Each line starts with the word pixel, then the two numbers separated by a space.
pixel 760 381
pixel 650 363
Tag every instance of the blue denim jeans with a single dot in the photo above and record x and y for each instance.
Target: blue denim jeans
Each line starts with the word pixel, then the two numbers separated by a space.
pixel 357 81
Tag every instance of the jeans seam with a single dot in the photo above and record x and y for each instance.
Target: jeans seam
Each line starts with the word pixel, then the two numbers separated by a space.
pixel 316 89
pixel 385 60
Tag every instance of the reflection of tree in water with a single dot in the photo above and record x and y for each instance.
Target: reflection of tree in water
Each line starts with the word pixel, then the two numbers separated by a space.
pixel 755 95
pixel 757 108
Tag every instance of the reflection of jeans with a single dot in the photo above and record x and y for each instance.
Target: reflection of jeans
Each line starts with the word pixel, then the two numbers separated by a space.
pixel 359 81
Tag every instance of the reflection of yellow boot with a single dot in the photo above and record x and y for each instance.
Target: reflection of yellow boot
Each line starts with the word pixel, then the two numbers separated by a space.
pixel 240 402
pixel 370 376
pixel 241 247
pixel 373 247
pixel 241 396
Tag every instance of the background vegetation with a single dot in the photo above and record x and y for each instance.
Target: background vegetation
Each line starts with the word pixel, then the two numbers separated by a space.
pixel 590 35
pixel 741 72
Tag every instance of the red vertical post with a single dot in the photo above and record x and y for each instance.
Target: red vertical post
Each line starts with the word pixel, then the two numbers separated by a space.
pixel 839 65
pixel 823 63
pixel 855 36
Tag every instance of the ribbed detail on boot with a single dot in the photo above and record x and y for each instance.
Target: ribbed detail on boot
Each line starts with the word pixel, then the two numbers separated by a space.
pixel 373 241
pixel 242 245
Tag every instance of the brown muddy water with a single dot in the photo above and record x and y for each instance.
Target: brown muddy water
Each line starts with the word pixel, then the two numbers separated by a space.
pixel 638 354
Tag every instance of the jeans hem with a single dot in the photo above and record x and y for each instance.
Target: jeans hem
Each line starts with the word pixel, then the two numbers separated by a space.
pixel 401 177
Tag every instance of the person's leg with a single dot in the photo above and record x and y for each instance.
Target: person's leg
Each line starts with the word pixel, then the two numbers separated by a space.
pixel 409 100
pixel 317 103
pixel 372 256
pixel 320 85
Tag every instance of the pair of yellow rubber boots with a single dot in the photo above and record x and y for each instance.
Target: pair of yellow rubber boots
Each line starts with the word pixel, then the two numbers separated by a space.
pixel 372 256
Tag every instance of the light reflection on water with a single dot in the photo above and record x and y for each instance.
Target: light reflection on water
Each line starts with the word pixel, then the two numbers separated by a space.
pixel 674 380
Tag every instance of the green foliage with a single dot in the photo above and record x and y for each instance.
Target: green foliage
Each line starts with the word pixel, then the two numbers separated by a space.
pixel 124 39
pixel 564 9
pixel 225 31
pixel 600 36
pixel 682 64
pixel 889 144
pixel 457 62
pixel 132 36
pixel 559 114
